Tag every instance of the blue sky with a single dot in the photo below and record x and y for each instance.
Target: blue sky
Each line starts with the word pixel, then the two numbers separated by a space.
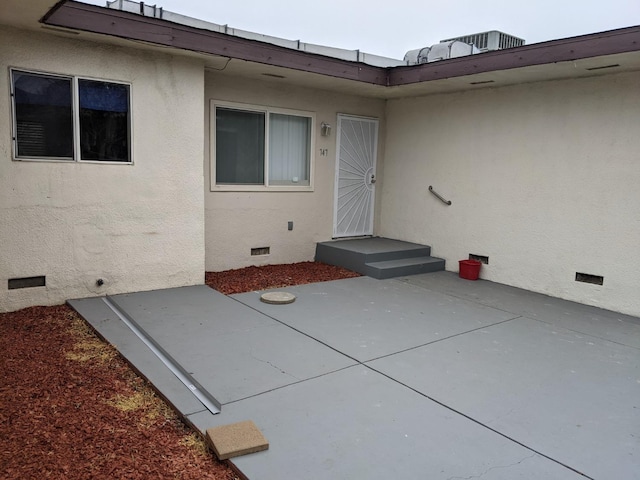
pixel 392 28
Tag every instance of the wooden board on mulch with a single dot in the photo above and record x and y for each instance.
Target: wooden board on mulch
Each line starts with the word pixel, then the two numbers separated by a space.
pixel 251 279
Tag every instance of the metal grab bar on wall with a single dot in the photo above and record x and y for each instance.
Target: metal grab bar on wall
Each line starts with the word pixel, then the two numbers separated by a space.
pixel 446 202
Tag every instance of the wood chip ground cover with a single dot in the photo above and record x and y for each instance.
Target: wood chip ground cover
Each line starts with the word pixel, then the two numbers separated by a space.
pixel 72 408
pixel 250 279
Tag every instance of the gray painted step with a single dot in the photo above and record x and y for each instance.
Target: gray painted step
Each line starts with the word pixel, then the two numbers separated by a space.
pixel 374 249
pixel 404 266
pixel 379 257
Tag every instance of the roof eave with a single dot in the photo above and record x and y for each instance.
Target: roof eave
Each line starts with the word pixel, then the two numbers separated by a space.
pixel 101 20
pixel 611 42
pixel 130 26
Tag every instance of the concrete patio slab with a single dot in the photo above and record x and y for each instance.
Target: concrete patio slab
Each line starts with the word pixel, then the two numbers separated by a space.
pixel 567 395
pixel 114 331
pixel 366 318
pixel 605 324
pixel 232 351
pixel 358 424
pixel 364 378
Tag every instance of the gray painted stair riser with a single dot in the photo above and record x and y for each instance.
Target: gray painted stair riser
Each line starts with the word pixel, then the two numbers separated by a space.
pixel 328 251
pixel 400 269
pixel 392 260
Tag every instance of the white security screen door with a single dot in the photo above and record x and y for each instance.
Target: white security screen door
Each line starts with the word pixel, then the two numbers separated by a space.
pixel 357 142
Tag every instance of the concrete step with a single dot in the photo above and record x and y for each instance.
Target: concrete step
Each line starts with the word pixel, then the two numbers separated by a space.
pixel 404 266
pixel 374 249
pixel 368 256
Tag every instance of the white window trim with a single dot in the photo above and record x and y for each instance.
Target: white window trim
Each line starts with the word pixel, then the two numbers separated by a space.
pixel 75 102
pixel 266 110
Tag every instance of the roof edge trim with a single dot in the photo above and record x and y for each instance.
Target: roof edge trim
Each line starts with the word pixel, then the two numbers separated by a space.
pixel 554 51
pixel 130 26
pixel 125 25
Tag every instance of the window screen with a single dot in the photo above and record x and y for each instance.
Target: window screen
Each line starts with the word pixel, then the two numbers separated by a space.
pixel 104 121
pixel 43 115
pixel 239 147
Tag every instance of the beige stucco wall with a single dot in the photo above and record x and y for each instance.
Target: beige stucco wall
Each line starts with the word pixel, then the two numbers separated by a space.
pixel 138 227
pixel 544 179
pixel 238 221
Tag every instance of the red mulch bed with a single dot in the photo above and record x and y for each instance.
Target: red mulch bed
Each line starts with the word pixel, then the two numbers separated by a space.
pixel 72 408
pixel 250 279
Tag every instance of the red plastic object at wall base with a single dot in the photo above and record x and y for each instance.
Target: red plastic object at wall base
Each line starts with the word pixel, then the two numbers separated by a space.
pixel 470 269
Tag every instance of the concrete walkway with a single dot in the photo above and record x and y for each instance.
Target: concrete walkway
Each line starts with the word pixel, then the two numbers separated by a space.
pixel 427 376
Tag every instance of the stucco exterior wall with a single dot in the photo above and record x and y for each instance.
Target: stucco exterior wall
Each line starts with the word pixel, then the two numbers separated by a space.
pixel 139 226
pixel 236 222
pixel 544 179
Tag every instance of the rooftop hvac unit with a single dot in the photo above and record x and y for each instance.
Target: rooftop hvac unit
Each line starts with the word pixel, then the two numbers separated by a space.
pixel 488 41
pixel 439 51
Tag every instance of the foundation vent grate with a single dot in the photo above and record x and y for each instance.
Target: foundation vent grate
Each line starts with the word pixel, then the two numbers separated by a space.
pixel 261 251
pixel 479 258
pixel 27 282
pixel 588 278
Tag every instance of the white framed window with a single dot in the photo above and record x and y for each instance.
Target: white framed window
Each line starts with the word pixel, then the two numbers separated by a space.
pixel 70 118
pixel 260 148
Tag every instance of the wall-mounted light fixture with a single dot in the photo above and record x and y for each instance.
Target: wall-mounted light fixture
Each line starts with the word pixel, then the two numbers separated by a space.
pixel 325 129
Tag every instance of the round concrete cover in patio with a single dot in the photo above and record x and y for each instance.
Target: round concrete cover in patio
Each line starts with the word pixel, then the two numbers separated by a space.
pixel 278 298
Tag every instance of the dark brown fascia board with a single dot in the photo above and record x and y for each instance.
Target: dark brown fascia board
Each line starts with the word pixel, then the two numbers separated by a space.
pixel 130 26
pixel 52 10
pixel 568 49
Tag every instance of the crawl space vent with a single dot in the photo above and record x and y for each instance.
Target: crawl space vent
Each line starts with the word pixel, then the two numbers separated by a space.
pixel 26 282
pixel 479 258
pixel 260 251
pixel 588 278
